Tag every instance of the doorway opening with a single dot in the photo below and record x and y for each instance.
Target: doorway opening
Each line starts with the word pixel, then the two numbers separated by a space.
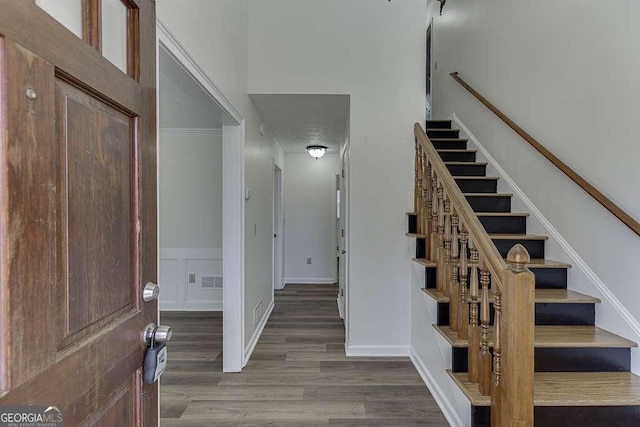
pixel 200 215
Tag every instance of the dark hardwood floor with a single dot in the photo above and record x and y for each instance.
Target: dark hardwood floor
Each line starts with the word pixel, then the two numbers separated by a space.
pixel 298 374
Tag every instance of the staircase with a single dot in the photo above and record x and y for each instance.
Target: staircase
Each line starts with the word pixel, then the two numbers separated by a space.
pixel 582 372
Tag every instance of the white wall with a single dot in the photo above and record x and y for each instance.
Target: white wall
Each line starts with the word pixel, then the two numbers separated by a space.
pixel 190 193
pixel 567 73
pixel 310 218
pixel 374 51
pixel 215 32
pixel 190 188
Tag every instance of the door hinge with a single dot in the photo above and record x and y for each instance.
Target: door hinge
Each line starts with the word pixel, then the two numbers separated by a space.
pixel 342 292
pixel 343 173
pixel 342 232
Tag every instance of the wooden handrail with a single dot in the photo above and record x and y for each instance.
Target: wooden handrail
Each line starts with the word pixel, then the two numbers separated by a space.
pixel 481 239
pixel 616 210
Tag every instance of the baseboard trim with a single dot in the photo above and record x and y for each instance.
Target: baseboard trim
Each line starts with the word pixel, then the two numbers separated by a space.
pixel 441 399
pixel 309 280
pixel 256 335
pixel 553 232
pixel 377 350
pixel 200 306
pixel 339 302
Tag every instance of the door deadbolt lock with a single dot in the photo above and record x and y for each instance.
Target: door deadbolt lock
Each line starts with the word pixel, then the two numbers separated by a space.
pixel 150 292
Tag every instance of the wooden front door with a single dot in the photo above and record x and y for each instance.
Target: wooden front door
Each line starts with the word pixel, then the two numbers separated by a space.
pixel 78 207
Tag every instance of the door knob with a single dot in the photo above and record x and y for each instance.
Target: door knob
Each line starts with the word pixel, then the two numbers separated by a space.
pixel 158 334
pixel 163 333
pixel 344 252
pixel 150 292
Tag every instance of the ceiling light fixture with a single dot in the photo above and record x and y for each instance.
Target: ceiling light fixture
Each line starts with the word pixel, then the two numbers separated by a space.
pixel 316 151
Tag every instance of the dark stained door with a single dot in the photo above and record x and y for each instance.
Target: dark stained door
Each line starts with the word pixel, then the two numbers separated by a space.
pixel 78 207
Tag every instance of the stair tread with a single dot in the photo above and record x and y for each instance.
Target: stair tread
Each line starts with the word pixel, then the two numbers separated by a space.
pixel 445 129
pixel 449 139
pixel 488 195
pixel 425 262
pixel 481 178
pixel 546 296
pixel 466 163
pixel 547 263
pixel 499 236
pixel 416 235
pixel 447 150
pixel 534 263
pixel 569 389
pixel 555 336
pixel 502 213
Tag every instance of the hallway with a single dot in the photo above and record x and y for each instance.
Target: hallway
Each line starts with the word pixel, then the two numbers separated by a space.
pixel 298 374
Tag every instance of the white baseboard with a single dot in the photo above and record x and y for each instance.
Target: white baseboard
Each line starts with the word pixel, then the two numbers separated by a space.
pixel 199 306
pixel 256 335
pixel 310 280
pixel 441 399
pixel 377 350
pixel 553 232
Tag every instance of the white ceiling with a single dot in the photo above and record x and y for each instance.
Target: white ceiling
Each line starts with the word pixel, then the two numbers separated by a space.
pixel 300 120
pixel 183 102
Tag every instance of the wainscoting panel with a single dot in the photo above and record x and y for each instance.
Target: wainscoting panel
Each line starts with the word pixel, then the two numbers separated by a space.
pixel 190 279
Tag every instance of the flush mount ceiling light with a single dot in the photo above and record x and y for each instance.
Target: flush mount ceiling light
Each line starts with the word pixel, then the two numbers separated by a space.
pixel 316 151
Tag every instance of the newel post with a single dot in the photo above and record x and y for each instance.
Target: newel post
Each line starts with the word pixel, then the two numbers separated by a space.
pixel 517 334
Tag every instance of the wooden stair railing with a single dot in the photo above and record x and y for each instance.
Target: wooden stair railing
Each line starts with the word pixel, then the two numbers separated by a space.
pixel 608 204
pixel 464 253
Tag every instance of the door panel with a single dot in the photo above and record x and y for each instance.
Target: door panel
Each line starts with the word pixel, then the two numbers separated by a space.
pixel 96 146
pixel 78 216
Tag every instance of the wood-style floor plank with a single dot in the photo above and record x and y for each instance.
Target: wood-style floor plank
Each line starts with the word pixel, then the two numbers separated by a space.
pixel 298 374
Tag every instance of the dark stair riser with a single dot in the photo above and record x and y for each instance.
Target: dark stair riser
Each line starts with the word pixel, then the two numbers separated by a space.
pixel 463 156
pixel 472 169
pixel 575 359
pixel 583 416
pixel 477 185
pixel 504 224
pixel 438 124
pixel 490 203
pixel 450 145
pixel 534 247
pixel 545 314
pixel 443 133
pixel 412 225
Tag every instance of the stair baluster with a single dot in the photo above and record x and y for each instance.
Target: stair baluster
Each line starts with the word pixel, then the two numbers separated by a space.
pixel 454 285
pixel 446 290
pixel 425 220
pixel 474 329
pixel 496 386
pixel 463 305
pixel 415 178
pixel 419 179
pixel 484 374
pixel 440 270
pixel 434 216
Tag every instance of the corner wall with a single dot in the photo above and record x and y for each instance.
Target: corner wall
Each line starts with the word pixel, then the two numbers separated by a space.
pixel 375 52
pixel 310 218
